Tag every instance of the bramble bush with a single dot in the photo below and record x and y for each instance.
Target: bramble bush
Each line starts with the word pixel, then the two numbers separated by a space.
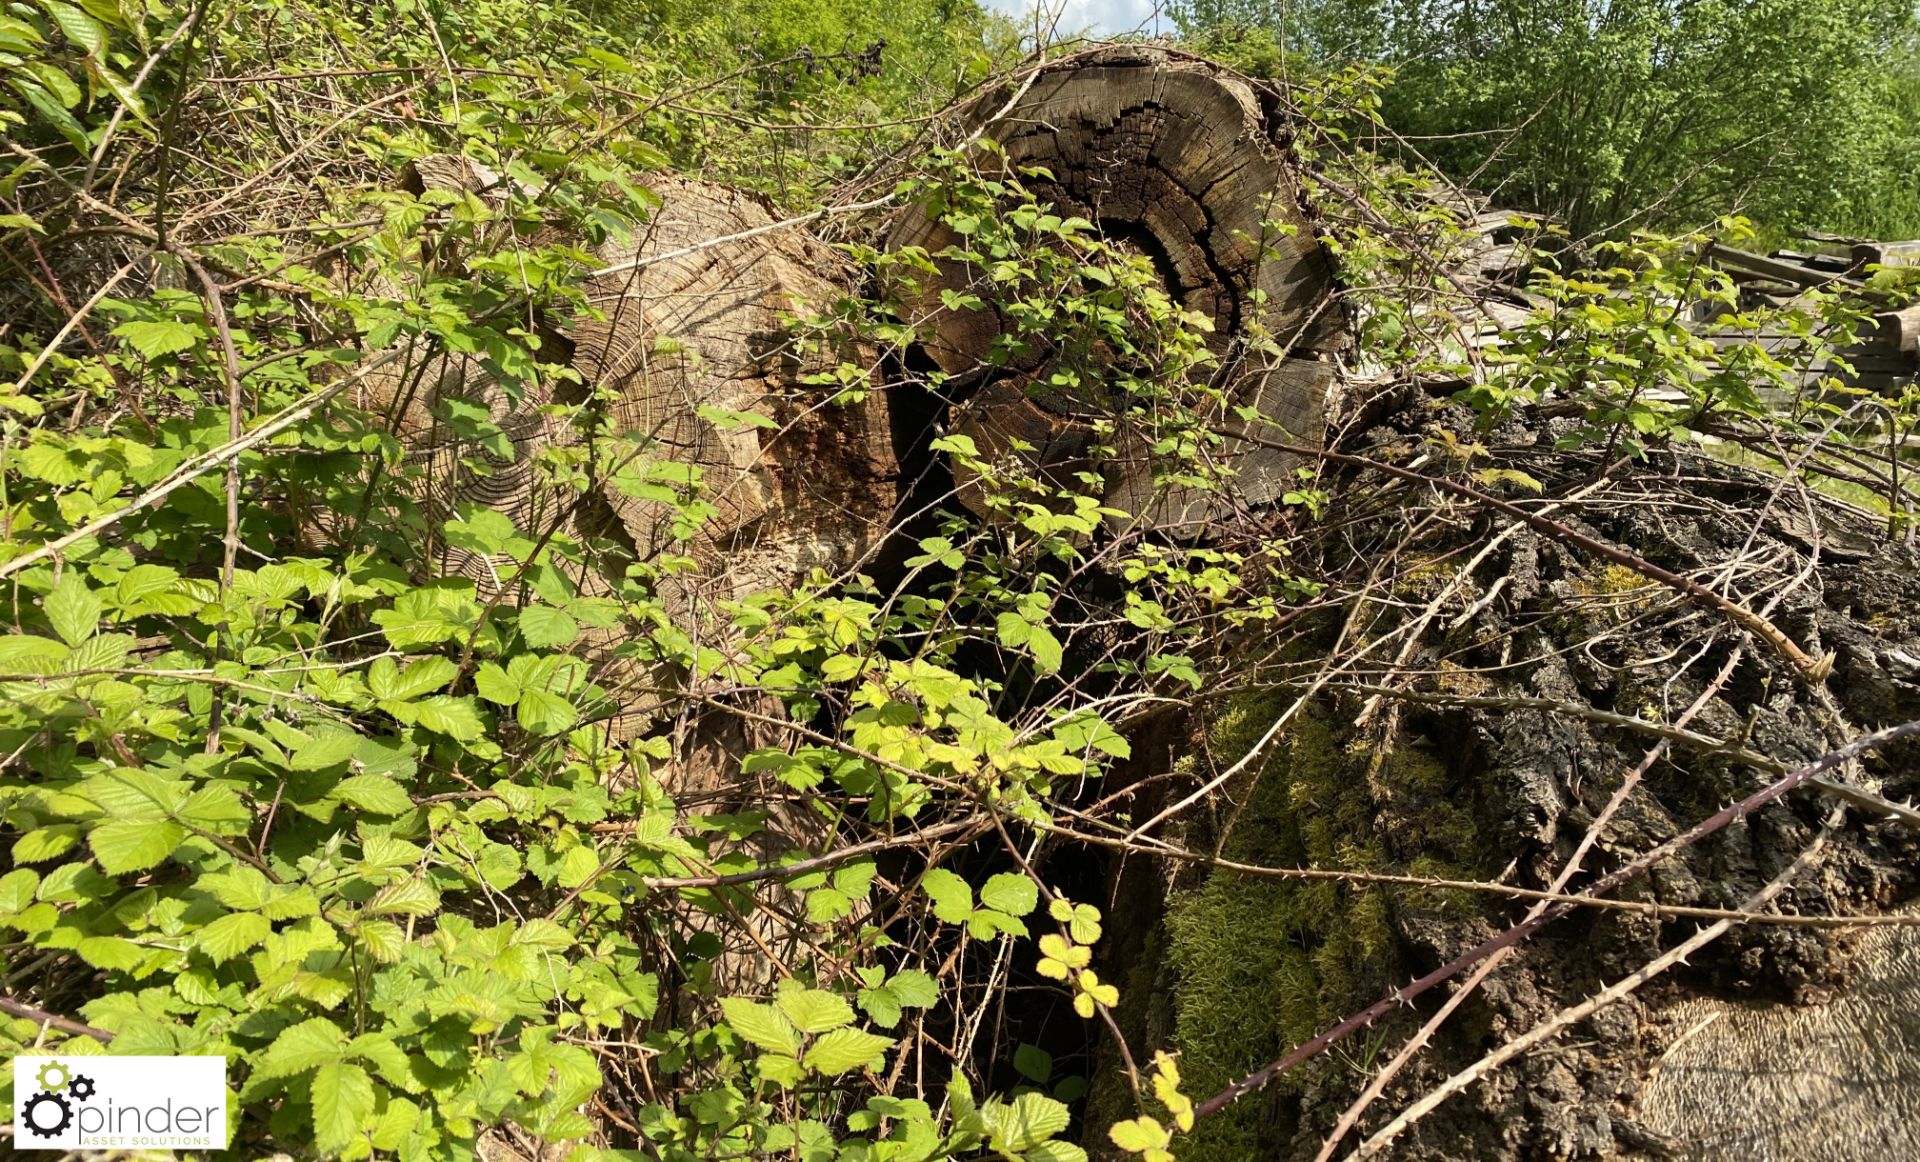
pixel 275 787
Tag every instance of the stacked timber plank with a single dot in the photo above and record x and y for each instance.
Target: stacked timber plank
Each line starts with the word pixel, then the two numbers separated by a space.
pixel 1887 357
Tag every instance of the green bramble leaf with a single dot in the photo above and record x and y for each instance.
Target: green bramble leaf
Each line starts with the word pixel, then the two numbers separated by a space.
pixel 232 934
pixel 1033 1063
pixel 343 1102
pixel 545 627
pixel 73 609
pixel 407 898
pixel 1024 1122
pixel 1010 892
pixel 814 1010
pixel 155 338
pixel 324 750
pixel 423 676
pixel 913 988
pixel 844 1050
pixel 952 898
pixel 301 1047
pixel 761 1025
pixel 375 793
pixel 130 845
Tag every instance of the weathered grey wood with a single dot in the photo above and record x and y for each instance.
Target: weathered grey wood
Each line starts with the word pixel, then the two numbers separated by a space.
pixel 1887 253
pixel 677 342
pixel 1728 258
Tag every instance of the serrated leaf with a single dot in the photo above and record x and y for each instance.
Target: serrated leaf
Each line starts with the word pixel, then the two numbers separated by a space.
pixel 1033 1063
pixel 406 898
pixel 386 680
pixel 324 750
pixel 111 953
pixel 493 684
pixel 389 1061
pixel 17 890
pixel 342 1096
pixel 24 653
pixel 395 1125
pixel 543 713
pixel 1012 629
pixel 952 898
pixel 131 846
pixel 232 934
pixel 845 1049
pixel 1046 649
pixel 242 888
pixel 825 905
pixel 375 793
pixel 780 1069
pixel 1139 1135
pixel 481 530
pixel 544 627
pixel 1010 892
pixel 762 1025
pixel 81 30
pixel 914 988
pixel 855 879
pixel 445 714
pixel 153 338
pixel 215 808
pixel 1082 920
pixel 987 924
pixel 540 932
pixel 44 843
pixel 881 1007
pixel 383 939
pixel 301 1047
pixel 1024 1122
pixel 815 1010
pixel 73 609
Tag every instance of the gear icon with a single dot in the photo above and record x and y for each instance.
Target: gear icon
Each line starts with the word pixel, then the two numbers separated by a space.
pixel 82 1088
pixel 54 1067
pixel 34 1120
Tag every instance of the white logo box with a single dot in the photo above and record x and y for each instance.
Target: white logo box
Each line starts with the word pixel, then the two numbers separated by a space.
pixel 126 1103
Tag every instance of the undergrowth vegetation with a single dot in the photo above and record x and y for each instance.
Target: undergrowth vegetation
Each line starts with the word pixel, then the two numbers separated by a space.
pixel 277 787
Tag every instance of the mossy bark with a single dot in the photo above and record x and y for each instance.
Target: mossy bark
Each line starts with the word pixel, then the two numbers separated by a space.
pixel 1245 968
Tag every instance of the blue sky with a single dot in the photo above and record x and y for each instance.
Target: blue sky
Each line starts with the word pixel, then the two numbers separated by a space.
pixel 1100 16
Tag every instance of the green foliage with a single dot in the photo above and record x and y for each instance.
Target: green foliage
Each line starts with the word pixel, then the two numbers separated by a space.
pixel 284 787
pixel 1798 115
pixel 1616 342
pixel 388 801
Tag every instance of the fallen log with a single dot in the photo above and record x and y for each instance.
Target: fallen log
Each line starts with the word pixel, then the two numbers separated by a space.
pixel 1178 160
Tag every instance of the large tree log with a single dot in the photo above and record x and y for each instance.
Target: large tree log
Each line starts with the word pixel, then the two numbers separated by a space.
pixel 688 326
pixel 1178 160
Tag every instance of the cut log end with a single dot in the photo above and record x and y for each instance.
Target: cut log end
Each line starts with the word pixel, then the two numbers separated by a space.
pixel 1176 160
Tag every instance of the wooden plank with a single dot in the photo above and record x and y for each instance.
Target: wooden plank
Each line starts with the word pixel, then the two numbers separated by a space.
pixel 1727 258
pixel 1888 253
pixel 1899 330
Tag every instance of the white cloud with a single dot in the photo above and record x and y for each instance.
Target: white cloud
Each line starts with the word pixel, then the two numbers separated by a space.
pixel 1105 17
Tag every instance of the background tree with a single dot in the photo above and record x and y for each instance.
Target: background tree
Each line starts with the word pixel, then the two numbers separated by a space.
pixel 1612 114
